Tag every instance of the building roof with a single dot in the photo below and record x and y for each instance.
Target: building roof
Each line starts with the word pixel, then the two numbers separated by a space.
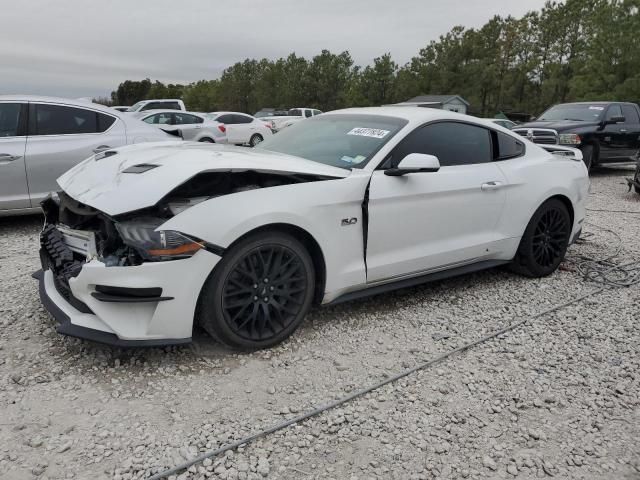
pixel 436 99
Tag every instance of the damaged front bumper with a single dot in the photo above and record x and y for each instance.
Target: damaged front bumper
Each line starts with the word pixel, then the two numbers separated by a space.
pixel 152 304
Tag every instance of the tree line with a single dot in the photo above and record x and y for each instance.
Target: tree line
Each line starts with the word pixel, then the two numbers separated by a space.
pixel 572 51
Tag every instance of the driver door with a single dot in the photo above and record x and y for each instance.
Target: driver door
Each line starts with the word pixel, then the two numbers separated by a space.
pixel 427 221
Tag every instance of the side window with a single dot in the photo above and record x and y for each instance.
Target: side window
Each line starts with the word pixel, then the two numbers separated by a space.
pixel 10 116
pixel 508 147
pixel 316 112
pixel 307 113
pixel 186 119
pixel 62 120
pixel 614 111
pixel 630 114
pixel 170 105
pixel 242 119
pixel 149 106
pixel 226 119
pixel 453 143
pixel 104 122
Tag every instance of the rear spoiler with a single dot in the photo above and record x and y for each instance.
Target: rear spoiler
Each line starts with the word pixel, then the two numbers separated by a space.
pixel 572 153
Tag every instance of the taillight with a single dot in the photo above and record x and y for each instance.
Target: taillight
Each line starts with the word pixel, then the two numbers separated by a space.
pixel 222 128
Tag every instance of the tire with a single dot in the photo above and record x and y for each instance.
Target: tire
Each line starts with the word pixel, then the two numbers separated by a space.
pixel 256 138
pixel 545 241
pixel 588 156
pixel 206 140
pixel 259 293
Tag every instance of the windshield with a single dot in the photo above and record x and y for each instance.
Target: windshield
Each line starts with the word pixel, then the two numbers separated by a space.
pixel 346 141
pixel 134 107
pixel 581 113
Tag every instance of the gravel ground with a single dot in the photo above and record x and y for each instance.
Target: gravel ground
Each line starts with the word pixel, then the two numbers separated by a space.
pixel 558 397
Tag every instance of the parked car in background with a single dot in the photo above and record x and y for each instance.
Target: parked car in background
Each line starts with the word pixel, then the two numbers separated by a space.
pixel 161 104
pixel 503 122
pixel 606 132
pixel 42 137
pixel 242 129
pixel 196 127
pixel 243 242
pixel 294 115
pixel 270 112
pixel 121 108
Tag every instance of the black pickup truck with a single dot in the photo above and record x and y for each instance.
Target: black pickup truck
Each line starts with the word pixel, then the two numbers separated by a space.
pixel 606 132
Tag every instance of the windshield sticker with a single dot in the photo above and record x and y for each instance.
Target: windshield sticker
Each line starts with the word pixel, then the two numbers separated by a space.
pixel 596 108
pixel 369 132
pixel 357 159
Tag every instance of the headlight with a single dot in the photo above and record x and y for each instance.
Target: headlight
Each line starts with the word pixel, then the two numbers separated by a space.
pixel 569 139
pixel 157 245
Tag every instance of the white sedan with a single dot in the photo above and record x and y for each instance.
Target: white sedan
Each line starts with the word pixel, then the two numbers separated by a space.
pixel 242 129
pixel 144 243
pixel 190 126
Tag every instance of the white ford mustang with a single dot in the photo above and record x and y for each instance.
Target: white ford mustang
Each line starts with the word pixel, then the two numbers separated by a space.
pixel 143 242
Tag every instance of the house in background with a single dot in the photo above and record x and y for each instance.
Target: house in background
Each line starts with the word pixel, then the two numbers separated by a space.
pixel 453 103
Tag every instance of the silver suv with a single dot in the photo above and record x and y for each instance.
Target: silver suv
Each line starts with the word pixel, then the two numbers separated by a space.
pixel 42 137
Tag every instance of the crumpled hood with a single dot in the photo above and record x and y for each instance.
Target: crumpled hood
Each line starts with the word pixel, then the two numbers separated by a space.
pixel 102 183
pixel 557 125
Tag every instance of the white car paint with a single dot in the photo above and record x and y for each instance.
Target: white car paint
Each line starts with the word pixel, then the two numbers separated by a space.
pixel 157 104
pixel 296 115
pixel 242 128
pixel 196 127
pixel 419 223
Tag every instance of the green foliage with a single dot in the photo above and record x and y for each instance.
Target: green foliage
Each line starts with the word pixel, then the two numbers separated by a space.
pixel 576 50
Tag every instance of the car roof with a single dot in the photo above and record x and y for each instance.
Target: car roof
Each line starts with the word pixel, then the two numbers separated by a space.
pixel 599 102
pixel 233 113
pixel 161 100
pixel 60 100
pixel 412 114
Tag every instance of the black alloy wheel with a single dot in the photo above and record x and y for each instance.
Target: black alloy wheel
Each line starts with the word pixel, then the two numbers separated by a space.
pixel 263 293
pixel 549 238
pixel 545 240
pixel 259 293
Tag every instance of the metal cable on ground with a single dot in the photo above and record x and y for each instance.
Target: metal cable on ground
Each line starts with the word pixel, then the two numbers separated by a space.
pixel 604 270
pixel 336 403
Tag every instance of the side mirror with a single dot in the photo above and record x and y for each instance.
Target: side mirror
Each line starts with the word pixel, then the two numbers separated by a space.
pixel 614 120
pixel 415 163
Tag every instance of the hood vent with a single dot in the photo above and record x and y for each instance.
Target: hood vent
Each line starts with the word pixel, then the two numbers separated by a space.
pixel 140 168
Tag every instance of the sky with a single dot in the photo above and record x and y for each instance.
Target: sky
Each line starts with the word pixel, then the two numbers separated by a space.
pixel 85 48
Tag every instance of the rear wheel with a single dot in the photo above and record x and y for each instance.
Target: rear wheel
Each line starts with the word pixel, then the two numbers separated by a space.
pixel 255 139
pixel 206 140
pixel 545 241
pixel 259 293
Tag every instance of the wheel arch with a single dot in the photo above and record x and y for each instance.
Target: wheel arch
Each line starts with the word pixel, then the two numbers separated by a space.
pixel 567 203
pixel 308 241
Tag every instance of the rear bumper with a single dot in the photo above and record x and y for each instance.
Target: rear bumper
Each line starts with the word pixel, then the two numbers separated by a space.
pixel 148 305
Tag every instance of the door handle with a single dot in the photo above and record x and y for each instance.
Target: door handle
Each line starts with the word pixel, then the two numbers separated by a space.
pixel 101 148
pixel 8 158
pixel 623 130
pixel 491 185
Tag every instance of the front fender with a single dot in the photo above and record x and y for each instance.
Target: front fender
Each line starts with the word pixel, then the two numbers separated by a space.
pixel 318 207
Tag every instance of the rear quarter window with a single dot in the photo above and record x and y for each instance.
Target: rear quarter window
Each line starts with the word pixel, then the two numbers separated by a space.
pixel 508 146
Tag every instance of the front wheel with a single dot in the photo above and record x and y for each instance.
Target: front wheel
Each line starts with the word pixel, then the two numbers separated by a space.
pixel 545 241
pixel 255 139
pixel 259 293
